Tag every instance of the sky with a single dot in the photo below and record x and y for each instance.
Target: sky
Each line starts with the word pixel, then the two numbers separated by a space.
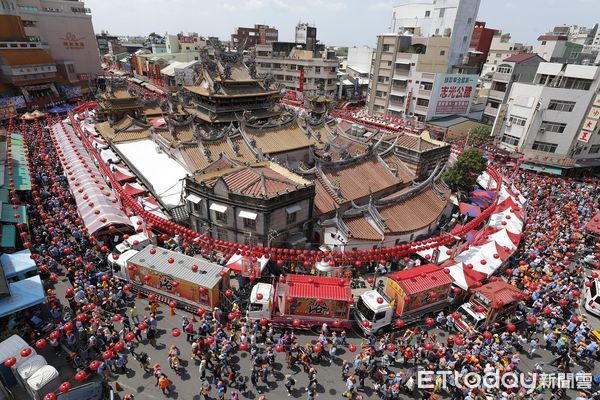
pixel 338 22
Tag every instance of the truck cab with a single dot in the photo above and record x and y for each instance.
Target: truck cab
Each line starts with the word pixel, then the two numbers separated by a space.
pixel 133 242
pixel 261 301
pixel 470 319
pixel 379 313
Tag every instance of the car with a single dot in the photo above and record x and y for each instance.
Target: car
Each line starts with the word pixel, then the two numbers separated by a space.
pixel 592 297
pixel 89 391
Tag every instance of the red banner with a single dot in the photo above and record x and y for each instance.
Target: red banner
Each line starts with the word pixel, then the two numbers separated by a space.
pixel 301 83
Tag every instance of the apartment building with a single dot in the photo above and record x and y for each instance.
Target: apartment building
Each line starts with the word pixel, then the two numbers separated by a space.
pixel 481 42
pixel 500 49
pixel 550 47
pixel 454 19
pixel 297 68
pixel 409 79
pixel 65 27
pixel 516 68
pixel 180 43
pixel 554 120
pixel 259 34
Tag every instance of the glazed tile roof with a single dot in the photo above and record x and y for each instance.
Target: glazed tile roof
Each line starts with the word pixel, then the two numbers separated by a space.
pixel 219 165
pixel 125 130
pixel 184 134
pixel 361 228
pixel 360 179
pixel 415 213
pixel 499 292
pixel 259 180
pixel 281 139
pixel 412 142
pixel 196 160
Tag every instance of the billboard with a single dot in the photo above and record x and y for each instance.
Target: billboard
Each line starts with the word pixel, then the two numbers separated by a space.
pixel 16 101
pixel 452 94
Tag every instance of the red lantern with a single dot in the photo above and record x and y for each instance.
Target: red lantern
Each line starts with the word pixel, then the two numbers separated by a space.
pixel 511 327
pixel 172 304
pixel 390 347
pixel 317 348
pixel 151 297
pixel 296 323
pixel 195 268
pixel 228 293
pixel 9 362
pixel 54 335
pixel 40 344
pixel 65 387
pixel 279 348
pixel 532 319
pixel 337 323
pixel 210 340
pixel 176 332
pixel 351 348
pixel 264 321
pixel 259 296
pixel 147 277
pixel 50 396
pixel 399 323
pixel 380 300
pixel 429 346
pixel 430 322
pixel 107 355
pixel 119 346
pixel 80 376
pixel 117 317
pixel 26 352
pixel 366 323
pixel 244 346
pixel 143 326
pixel 130 337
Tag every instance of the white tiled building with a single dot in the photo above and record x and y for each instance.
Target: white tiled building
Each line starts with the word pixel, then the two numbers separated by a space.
pixel 554 120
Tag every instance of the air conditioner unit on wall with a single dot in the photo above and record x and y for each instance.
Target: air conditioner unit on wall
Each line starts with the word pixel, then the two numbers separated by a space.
pixel 508 123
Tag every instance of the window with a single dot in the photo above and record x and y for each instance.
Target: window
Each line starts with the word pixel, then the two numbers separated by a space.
pixel 379 93
pixel 386 47
pixel 427 13
pixel 595 149
pixel 511 140
pixel 575 83
pixel 423 102
pixel 291 217
pixel 249 223
pixel 221 217
pixel 543 42
pixel 469 20
pixel 517 120
pixel 465 39
pixel 557 105
pixel 504 69
pixel 442 52
pixel 442 12
pixel 555 127
pixel 543 146
pixel 317 70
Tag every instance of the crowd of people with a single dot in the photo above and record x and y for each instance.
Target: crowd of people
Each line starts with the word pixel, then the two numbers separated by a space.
pixel 100 324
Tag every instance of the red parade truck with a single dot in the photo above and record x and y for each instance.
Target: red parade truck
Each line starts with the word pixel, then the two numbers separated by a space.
pixel 303 302
pixel 407 296
pixel 491 307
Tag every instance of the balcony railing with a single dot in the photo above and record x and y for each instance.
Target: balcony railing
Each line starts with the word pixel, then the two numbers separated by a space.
pixel 501 77
pixel 490 111
pixel 497 94
pixel 421 109
pixel 424 93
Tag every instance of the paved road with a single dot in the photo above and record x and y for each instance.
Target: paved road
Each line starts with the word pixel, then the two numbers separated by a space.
pixel 187 386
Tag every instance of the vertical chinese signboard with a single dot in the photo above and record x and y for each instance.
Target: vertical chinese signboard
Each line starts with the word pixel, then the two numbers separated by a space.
pixel 452 94
pixel 590 122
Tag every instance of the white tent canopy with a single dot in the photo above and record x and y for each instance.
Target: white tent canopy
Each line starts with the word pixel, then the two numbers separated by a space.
pixel 444 256
pixel 501 237
pixel 475 254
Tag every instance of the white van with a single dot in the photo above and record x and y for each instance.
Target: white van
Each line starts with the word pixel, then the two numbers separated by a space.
pixel 121 262
pixel 43 381
pixel 134 242
pixel 29 367
pixel 592 297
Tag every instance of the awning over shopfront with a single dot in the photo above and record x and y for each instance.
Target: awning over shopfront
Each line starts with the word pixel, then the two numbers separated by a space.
pixel 17 263
pixel 134 189
pixel 542 168
pixel 9 234
pixel 10 215
pixel 23 295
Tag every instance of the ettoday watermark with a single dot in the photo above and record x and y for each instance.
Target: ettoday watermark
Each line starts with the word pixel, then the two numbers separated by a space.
pixel 472 380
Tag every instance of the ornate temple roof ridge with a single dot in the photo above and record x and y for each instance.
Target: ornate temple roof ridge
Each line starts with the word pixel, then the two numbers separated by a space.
pixel 333 191
pixel 419 187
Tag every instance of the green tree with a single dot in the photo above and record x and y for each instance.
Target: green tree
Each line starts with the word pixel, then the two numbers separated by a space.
pixel 462 175
pixel 481 136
